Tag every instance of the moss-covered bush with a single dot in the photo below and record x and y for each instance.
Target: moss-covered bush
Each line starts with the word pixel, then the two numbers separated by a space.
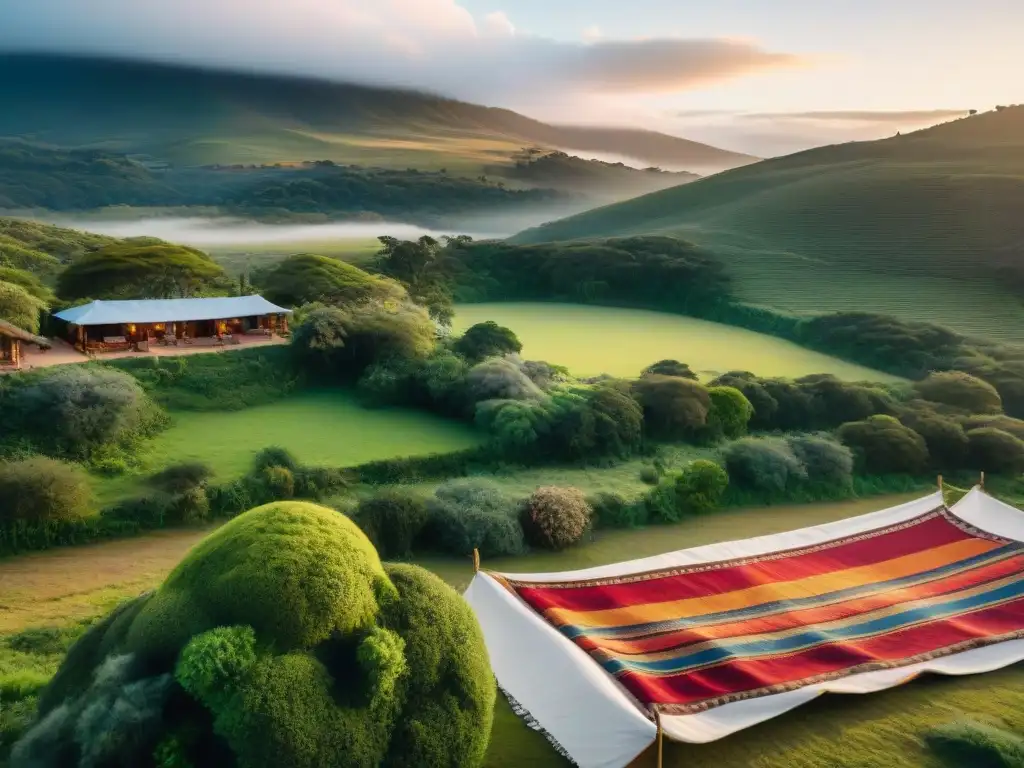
pixel 884 446
pixel 960 390
pixel 730 412
pixel 474 514
pixel 394 521
pixel 674 408
pixel 281 640
pixel 556 518
pixel 992 450
pixel 764 464
pixel 946 439
pixel 39 490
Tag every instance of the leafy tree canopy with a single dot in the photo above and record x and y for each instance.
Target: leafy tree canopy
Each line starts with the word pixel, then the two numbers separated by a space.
pixel 142 271
pixel 306 278
pixel 19 307
pixel 487 339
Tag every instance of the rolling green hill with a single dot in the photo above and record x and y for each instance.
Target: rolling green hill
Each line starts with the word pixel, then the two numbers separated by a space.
pixel 924 226
pixel 196 117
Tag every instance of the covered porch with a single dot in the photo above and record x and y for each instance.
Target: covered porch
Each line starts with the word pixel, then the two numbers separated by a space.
pixel 12 340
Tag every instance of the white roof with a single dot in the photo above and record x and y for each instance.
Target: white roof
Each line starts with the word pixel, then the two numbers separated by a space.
pixel 169 310
pixel 564 693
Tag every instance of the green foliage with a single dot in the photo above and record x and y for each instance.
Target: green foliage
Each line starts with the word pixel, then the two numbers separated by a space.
pixel 279 482
pixel 179 478
pixel 487 339
pixel 142 271
pixel 730 412
pixel 500 378
pixel 696 490
pixel 556 518
pixel 967 743
pixel 674 408
pixel 946 440
pixel 27 280
pixel 19 307
pixel 824 459
pixel 962 391
pixel 418 265
pixel 474 514
pixel 611 510
pixel 884 446
pixel 764 464
pixel 765 407
pixel 394 521
pixel 39 490
pixel 305 278
pixel 77 411
pixel 381 656
pixel 274 456
pixel 213 663
pixel 1006 423
pixel 338 343
pixel 670 368
pixel 992 450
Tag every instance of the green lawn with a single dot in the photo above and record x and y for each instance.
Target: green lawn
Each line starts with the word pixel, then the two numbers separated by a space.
pixel 327 428
pixel 622 342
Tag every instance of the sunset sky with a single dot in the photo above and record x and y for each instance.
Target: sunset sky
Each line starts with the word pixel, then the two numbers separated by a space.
pixel 762 77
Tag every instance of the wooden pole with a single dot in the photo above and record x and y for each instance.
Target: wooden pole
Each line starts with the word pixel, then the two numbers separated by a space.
pixel 661 737
pixel 940 482
pixel 476 561
pixel 981 482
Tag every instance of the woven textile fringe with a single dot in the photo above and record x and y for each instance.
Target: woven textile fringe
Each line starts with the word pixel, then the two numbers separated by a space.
pixel 524 714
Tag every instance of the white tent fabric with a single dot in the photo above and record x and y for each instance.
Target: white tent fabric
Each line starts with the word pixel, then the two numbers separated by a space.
pixel 169 310
pixel 583 708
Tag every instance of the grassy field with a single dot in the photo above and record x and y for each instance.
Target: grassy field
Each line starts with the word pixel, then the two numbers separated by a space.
pixel 622 342
pixel 63 587
pixel 912 226
pixel 327 428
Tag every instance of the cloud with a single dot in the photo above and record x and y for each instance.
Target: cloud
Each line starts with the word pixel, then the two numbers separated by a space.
pixel 435 45
pixel 895 117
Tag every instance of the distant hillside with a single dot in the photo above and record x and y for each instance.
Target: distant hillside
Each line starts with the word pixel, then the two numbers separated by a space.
pixel 559 170
pixel 928 225
pixel 196 117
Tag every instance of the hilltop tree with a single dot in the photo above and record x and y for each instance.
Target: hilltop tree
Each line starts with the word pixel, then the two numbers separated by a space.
pixel 142 270
pixel 306 278
pixel 420 266
pixel 487 339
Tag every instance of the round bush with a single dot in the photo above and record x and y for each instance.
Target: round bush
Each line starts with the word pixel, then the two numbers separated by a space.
pixel 280 640
pixel 825 460
pixel 41 489
pixel 487 339
pixel 946 440
pixel 76 410
pixel 992 450
pixel 279 483
pixel 556 518
pixel 670 368
pixel 763 464
pixel 696 490
pixel 730 412
pixel 884 446
pixel 179 478
pixel 674 408
pixel 500 379
pixel 394 521
pixel 611 510
pixel 764 405
pixel 274 456
pixel 473 514
pixel 962 391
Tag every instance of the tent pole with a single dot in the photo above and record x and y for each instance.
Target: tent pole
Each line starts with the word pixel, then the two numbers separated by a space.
pixel 661 736
pixel 476 561
pixel 981 482
pixel 940 483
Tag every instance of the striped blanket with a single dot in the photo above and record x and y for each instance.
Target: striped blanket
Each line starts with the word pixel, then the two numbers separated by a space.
pixel 692 638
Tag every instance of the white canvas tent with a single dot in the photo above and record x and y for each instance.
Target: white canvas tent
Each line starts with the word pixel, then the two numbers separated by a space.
pixel 585 711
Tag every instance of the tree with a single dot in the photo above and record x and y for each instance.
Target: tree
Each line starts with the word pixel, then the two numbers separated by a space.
pixel 487 339
pixel 961 390
pixel 670 368
pixel 556 518
pixel 19 307
pixel 674 408
pixel 884 446
pixel 142 271
pixel 307 278
pixel 730 412
pixel 993 450
pixel 420 266
pixel 765 464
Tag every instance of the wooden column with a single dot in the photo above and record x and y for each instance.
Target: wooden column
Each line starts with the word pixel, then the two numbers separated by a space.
pixel 661 737
pixel 476 561
pixel 16 352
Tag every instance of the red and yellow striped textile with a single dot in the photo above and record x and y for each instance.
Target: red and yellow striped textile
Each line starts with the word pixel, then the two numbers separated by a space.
pixel 696 637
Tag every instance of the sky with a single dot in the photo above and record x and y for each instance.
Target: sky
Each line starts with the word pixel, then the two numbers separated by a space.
pixel 752 75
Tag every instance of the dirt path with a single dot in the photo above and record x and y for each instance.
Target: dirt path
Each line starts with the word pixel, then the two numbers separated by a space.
pixel 76 582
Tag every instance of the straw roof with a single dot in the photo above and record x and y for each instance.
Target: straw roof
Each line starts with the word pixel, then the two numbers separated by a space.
pixel 14 332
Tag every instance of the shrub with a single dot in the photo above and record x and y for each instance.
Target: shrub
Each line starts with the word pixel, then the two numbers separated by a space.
pixel 834 402
pixel 763 464
pixel 295 644
pixel 39 489
pixel 19 307
pixel 764 405
pixel 992 450
pixel 279 483
pixel 147 512
pixel 1014 426
pixel 309 279
pixel 556 518
pixel 730 412
pixel 670 368
pixel 179 478
pixel 75 410
pixel 618 422
pixel 473 514
pixel 673 408
pixel 611 510
pixel 696 490
pixel 946 440
pixel 500 379
pixel 274 456
pixel 962 391
pixel 650 475
pixel 825 460
pixel 487 339
pixel 884 446
pixel 189 506
pixel 394 521
pixel 318 482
